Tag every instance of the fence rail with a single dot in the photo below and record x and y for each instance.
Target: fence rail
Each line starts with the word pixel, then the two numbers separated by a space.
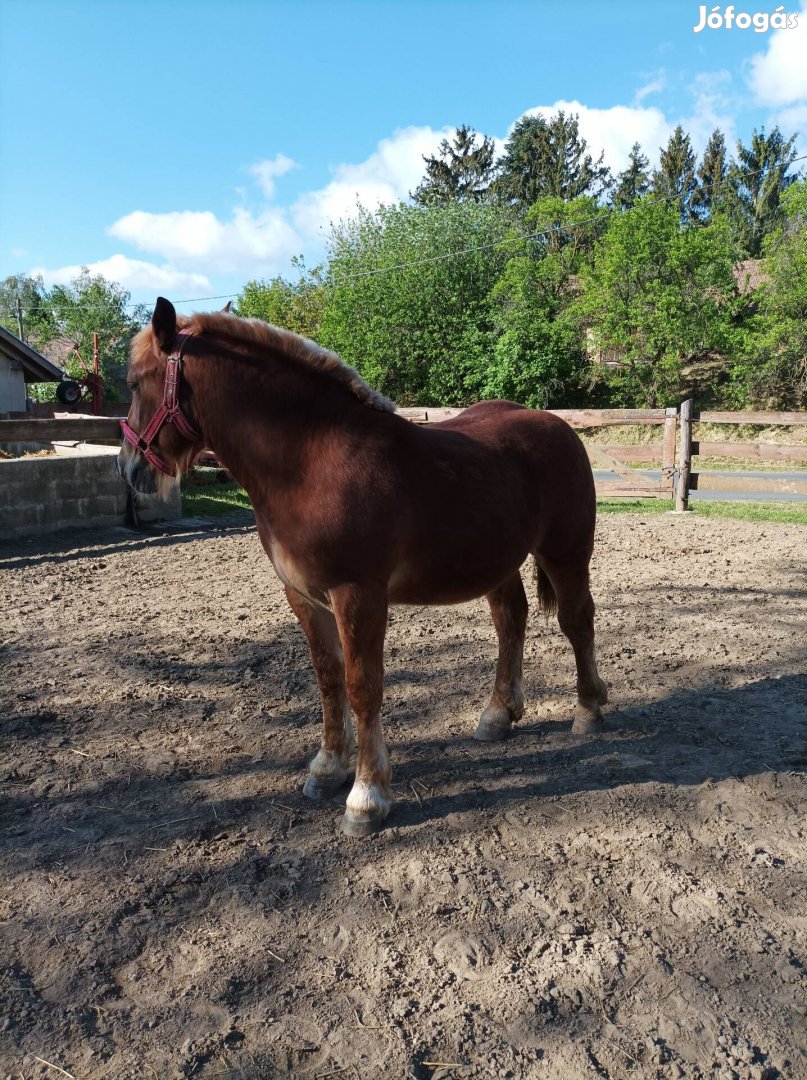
pixel 716 481
pixel 677 426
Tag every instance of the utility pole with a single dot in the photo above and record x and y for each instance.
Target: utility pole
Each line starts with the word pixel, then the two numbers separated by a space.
pixel 96 384
pixel 19 318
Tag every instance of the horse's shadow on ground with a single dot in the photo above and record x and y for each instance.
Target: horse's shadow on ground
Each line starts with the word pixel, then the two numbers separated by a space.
pixel 690 737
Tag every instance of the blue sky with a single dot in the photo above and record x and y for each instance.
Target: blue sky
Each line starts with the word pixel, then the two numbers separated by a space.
pixel 184 148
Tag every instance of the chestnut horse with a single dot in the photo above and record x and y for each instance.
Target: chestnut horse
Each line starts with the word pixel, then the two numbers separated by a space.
pixel 358 509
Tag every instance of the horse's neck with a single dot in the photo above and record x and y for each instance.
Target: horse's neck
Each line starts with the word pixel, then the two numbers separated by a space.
pixel 262 422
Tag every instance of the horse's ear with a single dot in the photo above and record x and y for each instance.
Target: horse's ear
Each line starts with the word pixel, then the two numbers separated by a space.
pixel 164 323
pixel 228 307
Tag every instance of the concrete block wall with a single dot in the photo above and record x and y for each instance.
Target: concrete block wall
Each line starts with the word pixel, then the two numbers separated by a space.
pixel 43 494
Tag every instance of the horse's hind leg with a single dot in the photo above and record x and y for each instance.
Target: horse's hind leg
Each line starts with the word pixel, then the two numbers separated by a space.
pixel 329 769
pixel 508 606
pixel 576 617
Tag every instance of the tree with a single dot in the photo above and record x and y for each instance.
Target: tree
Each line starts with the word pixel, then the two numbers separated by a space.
pixel 709 193
pixel 773 370
pixel 674 180
pixel 293 305
pixel 548 157
pixel 407 298
pixel 462 172
pixel 538 354
pixel 25 299
pixel 91 304
pixel 757 179
pixel 657 294
pixel 632 182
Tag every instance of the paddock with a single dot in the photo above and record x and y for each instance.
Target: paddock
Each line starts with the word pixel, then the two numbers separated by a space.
pixel 629 904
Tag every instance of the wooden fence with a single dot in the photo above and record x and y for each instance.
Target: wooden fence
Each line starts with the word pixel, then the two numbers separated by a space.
pixel 719 481
pixel 677 479
pixel 613 459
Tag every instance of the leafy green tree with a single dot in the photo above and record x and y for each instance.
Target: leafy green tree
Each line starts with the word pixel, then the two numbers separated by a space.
pixel 757 179
pixel 26 299
pixel 674 180
pixel 633 182
pixel 546 157
pixel 294 305
pixel 462 171
pixel 773 369
pixel 709 194
pixel 656 295
pixel 538 354
pixel 91 304
pixel 407 298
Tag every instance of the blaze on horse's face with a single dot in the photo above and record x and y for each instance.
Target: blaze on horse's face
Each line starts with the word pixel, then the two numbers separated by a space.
pixel 146 381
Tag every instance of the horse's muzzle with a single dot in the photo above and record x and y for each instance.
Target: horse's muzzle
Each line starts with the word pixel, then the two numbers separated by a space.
pixel 137 473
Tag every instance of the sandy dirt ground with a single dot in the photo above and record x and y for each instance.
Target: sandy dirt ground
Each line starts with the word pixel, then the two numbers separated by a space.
pixel 627 905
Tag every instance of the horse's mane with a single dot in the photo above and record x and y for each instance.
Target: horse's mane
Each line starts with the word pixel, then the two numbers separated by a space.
pixel 240 331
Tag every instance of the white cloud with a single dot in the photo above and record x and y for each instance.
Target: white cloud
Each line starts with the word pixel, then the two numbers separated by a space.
pixel 247 242
pixel 715 107
pixel 261 243
pixel 653 87
pixel 794 119
pixel 132 274
pixel 387 176
pixel 779 75
pixel 615 130
pixel 265 172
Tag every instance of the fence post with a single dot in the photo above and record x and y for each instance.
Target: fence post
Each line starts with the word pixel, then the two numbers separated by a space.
pixel 668 449
pixel 684 457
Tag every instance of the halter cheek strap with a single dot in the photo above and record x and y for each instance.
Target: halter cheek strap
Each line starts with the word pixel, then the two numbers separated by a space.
pixel 169 412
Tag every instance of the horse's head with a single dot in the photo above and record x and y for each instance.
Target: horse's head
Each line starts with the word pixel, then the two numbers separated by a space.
pixel 159 441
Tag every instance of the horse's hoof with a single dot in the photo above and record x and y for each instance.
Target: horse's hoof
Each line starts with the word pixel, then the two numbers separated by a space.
pixel 360 826
pixel 491 732
pixel 494 724
pixel 322 788
pixel 587 724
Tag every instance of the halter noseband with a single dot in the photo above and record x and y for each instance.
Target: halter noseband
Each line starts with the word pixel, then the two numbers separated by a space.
pixel 169 412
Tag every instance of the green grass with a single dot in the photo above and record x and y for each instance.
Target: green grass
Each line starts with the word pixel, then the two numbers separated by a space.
pixel 634 506
pixel 217 499
pixel 213 500
pixel 786 513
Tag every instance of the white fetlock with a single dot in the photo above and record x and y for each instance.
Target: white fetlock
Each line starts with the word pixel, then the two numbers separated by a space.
pixel 366 809
pixel 326 775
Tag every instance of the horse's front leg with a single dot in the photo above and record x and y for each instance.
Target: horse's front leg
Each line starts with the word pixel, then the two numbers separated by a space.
pixel 329 769
pixel 361 615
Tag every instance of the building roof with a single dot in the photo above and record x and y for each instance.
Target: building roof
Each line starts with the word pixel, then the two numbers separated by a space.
pixel 749 275
pixel 37 368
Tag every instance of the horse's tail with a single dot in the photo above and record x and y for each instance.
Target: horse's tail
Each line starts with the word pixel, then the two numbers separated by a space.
pixel 547 600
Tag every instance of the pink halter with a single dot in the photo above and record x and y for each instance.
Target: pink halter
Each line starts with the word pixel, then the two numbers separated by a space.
pixel 169 412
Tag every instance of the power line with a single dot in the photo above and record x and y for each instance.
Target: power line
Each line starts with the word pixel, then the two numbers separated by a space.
pixel 529 237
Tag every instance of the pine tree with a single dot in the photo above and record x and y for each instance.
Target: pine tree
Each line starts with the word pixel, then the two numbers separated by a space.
pixel 548 158
pixel 757 179
pixel 674 180
pixel 462 171
pixel 709 193
pixel 633 182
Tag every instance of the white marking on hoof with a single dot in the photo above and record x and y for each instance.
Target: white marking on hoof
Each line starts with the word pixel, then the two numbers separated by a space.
pixel 367 801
